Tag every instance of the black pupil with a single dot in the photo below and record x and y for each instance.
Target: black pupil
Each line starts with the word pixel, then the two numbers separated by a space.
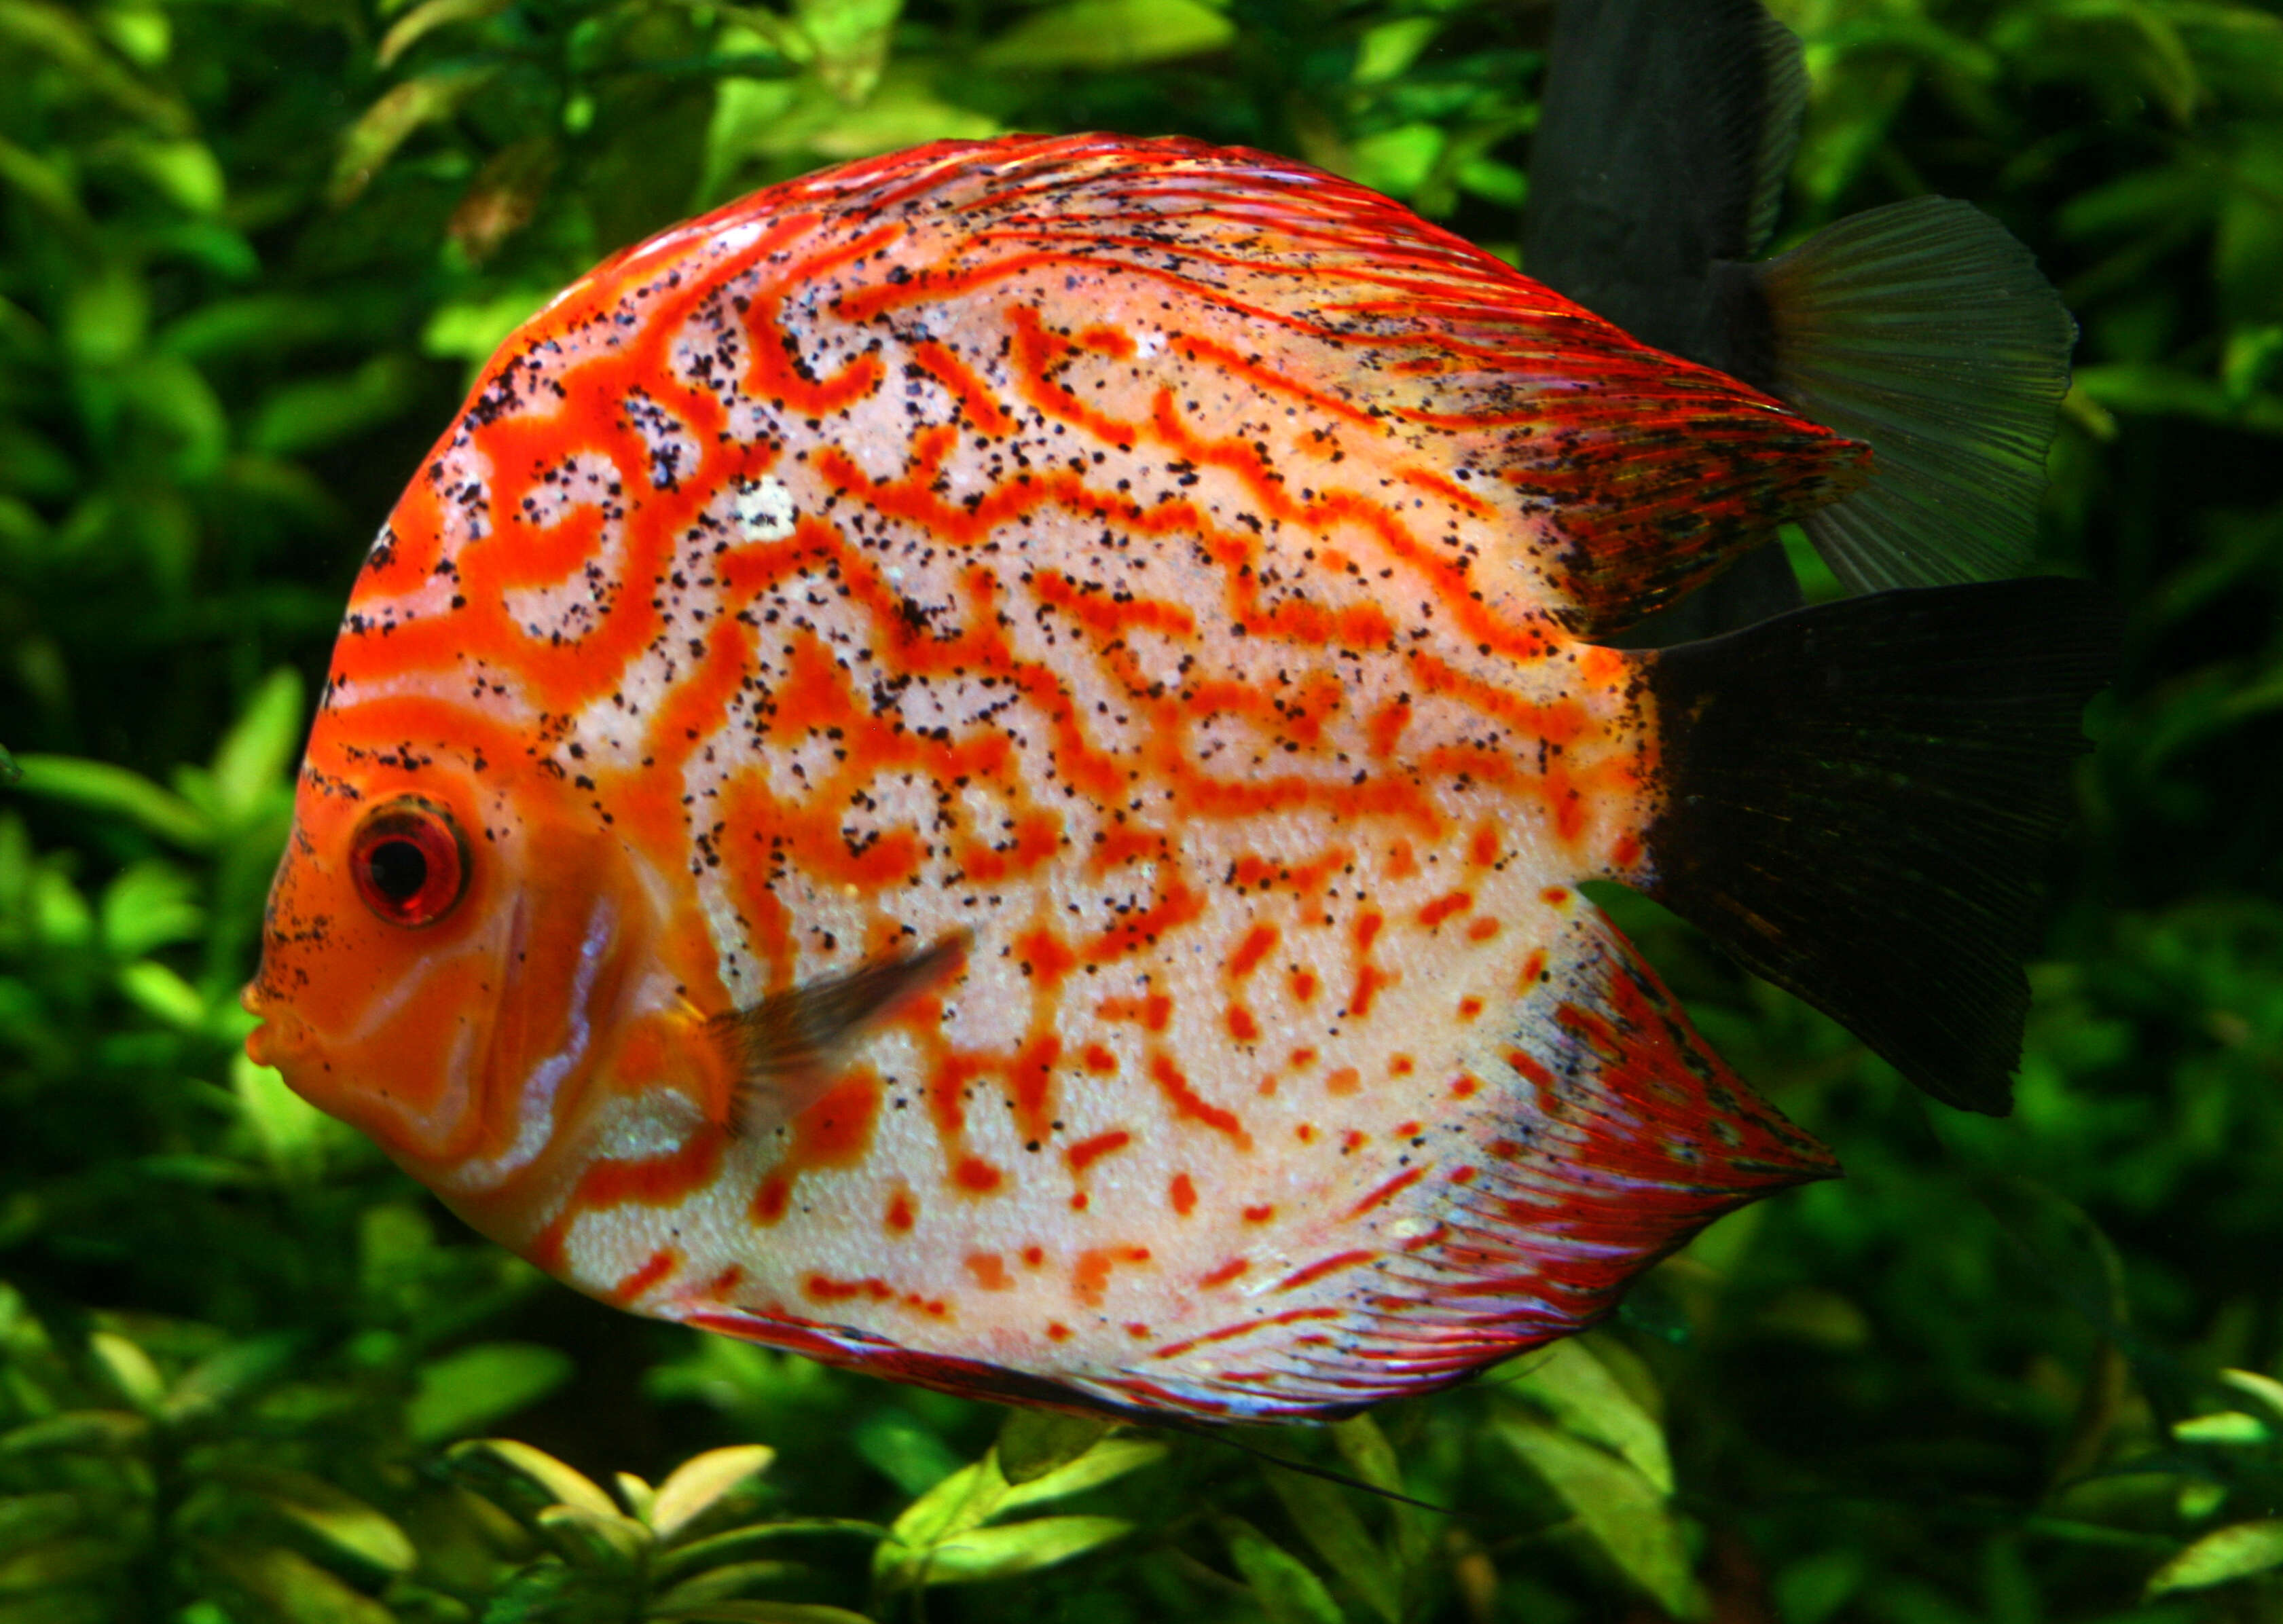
pixel 399 870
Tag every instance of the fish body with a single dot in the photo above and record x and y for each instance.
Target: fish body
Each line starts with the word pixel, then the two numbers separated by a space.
pixel 977 765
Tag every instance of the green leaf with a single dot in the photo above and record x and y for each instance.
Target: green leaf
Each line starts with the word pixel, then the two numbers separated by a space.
pixel 312 413
pixel 56 1562
pixel 148 907
pixel 1326 1520
pixel 1616 1506
pixel 2237 1551
pixel 477 1386
pixel 2266 1389
pixel 234 1372
pixel 1108 1460
pixel 587 1538
pixel 99 787
pixel 1017 1548
pixel 1110 35
pixel 93 1432
pixel 130 1368
pixel 161 993
pixel 64 39
pixel 373 139
pixel 695 1485
pixel 294 1588
pixel 33 1519
pixel 757 1612
pixel 1287 1590
pixel 424 20
pixel 1570 1384
pixel 1033 1442
pixel 343 1522
pixel 722 1584
pixel 249 768
pixel 525 1479
pixel 719 1548
pixel 2228 1427
pixel 1368 1454
pixel 290 1130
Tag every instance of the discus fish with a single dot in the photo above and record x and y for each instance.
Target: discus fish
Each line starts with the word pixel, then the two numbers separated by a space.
pixel 978 766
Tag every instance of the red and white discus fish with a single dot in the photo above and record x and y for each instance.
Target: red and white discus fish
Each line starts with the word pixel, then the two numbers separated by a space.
pixel 977 765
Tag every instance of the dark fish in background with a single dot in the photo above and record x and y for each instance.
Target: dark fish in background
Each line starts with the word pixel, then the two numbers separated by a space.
pixel 1922 328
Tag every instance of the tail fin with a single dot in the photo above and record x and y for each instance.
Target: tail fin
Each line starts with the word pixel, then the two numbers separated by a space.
pixel 1861 796
pixel 1924 329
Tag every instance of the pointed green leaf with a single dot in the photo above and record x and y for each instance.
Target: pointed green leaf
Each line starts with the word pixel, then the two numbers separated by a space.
pixel 2266 1389
pixel 291 1588
pixel 2236 1551
pixel 1287 1590
pixel 960 1502
pixel 256 756
pixel 2229 1426
pixel 129 1368
pixel 1111 1458
pixel 1569 1383
pixel 757 1612
pixel 1619 1508
pixel 595 1539
pixel 344 1522
pixel 475 1386
pixel 1110 34
pixel 100 1432
pixel 373 139
pixel 99 787
pixel 1018 1548
pixel 1326 1520
pixel 423 19
pixel 523 1479
pixel 735 1543
pixel 1033 1442
pixel 722 1584
pixel 1368 1454
pixel 694 1487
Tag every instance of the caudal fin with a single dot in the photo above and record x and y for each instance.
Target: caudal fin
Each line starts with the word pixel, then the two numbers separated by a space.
pixel 1925 331
pixel 1860 797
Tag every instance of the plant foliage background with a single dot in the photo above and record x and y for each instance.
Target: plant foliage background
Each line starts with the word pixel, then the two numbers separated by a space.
pixel 2010 1371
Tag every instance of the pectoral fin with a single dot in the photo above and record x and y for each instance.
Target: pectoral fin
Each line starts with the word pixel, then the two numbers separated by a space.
pixel 783 1050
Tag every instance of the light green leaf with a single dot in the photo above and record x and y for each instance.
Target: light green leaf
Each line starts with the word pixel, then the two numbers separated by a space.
pixel 850 41
pixel 56 1562
pixel 162 994
pixel 722 1584
pixel 1321 1510
pixel 475 1386
pixel 695 1485
pixel 343 1522
pixel 735 1543
pixel 290 1131
pixel 57 34
pixel 424 20
pixel 130 1368
pixel 1619 1508
pixel 294 1588
pixel 1110 34
pixel 2266 1389
pixel 2228 1427
pixel 250 767
pixel 373 139
pixel 1033 1442
pixel 99 1432
pixel 1368 1454
pixel 99 787
pixel 2236 1551
pixel 523 1478
pixel 757 1612
pixel 471 330
pixel 312 413
pixel 1570 1384
pixel 1109 1459
pixel 595 1539
pixel 1287 1590
pixel 636 1495
pixel 233 1371
pixel 150 904
pixel 1017 1548
pixel 187 172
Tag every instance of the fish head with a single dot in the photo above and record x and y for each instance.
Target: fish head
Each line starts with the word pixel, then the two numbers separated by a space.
pixel 460 959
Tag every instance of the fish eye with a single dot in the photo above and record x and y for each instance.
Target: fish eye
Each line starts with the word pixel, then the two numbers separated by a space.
pixel 409 861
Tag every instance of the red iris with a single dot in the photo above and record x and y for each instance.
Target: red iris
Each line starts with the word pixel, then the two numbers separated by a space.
pixel 409 863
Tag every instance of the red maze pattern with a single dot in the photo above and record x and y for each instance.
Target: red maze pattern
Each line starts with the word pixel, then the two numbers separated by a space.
pixel 1161 561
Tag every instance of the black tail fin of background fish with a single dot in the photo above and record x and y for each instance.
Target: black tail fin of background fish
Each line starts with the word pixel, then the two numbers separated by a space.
pixel 1921 328
pixel 1860 796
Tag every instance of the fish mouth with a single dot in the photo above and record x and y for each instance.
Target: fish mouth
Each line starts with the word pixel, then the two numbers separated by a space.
pixel 277 1037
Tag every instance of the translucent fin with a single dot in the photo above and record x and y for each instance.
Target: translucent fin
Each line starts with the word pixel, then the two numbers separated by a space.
pixel 1925 331
pixel 1860 796
pixel 782 1048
